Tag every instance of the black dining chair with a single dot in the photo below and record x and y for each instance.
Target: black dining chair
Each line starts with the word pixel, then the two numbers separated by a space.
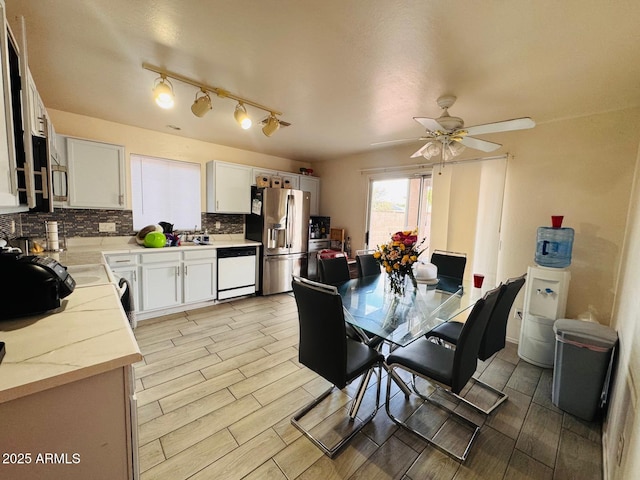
pixel 333 271
pixel 325 348
pixel 367 264
pixel 451 267
pixel 494 337
pixel 444 366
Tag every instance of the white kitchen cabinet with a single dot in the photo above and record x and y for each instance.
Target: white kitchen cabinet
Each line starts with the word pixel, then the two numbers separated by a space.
pixel 8 192
pixel 161 280
pixel 96 174
pixel 37 111
pixel 228 187
pixel 199 279
pixel 311 185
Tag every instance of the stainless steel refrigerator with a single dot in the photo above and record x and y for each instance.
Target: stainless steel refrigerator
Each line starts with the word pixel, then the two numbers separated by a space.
pixel 279 219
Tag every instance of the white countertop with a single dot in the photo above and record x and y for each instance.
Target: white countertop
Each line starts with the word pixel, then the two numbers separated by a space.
pixel 88 335
pixel 88 251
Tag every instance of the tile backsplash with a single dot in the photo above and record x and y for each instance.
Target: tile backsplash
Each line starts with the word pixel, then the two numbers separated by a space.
pixel 84 223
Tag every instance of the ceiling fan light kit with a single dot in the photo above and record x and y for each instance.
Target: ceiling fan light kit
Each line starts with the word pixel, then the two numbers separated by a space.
pixel 164 97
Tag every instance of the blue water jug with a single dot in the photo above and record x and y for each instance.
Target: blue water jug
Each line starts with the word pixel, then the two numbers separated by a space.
pixel 554 247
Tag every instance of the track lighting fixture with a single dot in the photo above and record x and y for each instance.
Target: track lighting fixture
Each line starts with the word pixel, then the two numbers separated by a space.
pixel 271 126
pixel 241 116
pixel 163 94
pixel 202 104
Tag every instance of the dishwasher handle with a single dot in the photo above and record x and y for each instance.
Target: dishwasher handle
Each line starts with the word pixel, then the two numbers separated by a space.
pixel 236 252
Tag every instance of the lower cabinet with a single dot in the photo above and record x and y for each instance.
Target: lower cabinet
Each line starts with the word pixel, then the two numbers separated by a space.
pixel 82 429
pixel 199 280
pixel 162 279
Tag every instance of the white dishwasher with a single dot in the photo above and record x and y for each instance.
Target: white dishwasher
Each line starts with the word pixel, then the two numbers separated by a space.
pixel 236 272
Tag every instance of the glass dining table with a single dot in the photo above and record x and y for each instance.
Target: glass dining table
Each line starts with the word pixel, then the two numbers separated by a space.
pixel 369 305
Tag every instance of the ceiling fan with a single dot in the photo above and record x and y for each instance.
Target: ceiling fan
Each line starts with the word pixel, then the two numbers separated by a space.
pixel 447 136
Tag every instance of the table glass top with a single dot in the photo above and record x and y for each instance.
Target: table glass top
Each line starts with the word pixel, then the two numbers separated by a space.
pixel 370 306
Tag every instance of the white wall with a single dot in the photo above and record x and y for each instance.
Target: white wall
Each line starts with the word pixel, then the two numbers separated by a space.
pixel 622 421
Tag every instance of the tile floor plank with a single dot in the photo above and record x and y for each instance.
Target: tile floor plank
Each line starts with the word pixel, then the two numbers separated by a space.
pixel 540 434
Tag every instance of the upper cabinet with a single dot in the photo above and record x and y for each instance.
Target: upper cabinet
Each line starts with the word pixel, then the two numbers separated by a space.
pixel 96 174
pixel 37 111
pixel 228 187
pixel 8 188
pixel 311 185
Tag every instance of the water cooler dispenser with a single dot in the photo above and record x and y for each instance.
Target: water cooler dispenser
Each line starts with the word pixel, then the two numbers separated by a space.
pixel 545 294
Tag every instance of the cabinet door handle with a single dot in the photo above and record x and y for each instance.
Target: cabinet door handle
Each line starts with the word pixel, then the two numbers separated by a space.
pixel 186 271
pixel 178 271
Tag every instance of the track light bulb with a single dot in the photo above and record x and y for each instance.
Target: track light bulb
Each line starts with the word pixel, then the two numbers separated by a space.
pixel 242 117
pixel 272 125
pixel 163 92
pixel 201 105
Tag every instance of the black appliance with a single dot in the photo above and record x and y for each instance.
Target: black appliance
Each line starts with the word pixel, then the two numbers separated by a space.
pixel 319 227
pixel 31 284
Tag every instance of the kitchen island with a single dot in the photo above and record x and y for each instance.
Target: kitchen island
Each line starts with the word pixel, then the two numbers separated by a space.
pixel 67 404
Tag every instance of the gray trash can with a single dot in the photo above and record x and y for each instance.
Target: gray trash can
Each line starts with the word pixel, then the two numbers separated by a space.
pixel 583 364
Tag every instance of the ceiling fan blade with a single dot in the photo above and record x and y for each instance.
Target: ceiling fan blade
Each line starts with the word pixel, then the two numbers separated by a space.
pixel 420 151
pixel 478 144
pixel 505 126
pixel 430 124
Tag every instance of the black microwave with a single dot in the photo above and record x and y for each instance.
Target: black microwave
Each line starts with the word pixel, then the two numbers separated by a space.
pixel 31 284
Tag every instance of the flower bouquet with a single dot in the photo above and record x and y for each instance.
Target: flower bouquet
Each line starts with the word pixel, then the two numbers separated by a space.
pixel 397 258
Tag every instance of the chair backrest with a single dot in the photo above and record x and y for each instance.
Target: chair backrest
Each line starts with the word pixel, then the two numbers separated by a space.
pixel 333 271
pixel 465 360
pixel 367 265
pixel 323 339
pixel 495 334
pixel 450 264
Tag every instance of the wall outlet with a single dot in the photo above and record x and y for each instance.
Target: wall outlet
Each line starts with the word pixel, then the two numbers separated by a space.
pixel 517 313
pixel 107 227
pixel 218 225
pixel 13 226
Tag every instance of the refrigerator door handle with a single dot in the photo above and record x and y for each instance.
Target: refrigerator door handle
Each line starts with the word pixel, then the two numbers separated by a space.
pixel 290 220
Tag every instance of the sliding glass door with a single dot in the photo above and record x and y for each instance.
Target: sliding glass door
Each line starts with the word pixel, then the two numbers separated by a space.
pixel 398 204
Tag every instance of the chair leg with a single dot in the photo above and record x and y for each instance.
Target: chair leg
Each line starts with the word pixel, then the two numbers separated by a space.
pixel 475 429
pixel 353 410
pixel 502 397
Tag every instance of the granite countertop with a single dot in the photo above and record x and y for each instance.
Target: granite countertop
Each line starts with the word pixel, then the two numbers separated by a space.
pixel 88 335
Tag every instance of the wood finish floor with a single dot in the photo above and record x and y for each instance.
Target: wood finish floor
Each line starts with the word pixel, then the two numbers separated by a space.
pixel 218 386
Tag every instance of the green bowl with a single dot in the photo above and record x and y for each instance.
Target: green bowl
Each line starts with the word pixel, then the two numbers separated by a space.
pixel 155 240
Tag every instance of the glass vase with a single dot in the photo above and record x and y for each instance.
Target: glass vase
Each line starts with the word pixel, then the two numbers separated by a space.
pixel 397 283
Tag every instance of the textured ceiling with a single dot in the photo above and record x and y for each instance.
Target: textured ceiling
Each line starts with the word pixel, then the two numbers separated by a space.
pixel 345 74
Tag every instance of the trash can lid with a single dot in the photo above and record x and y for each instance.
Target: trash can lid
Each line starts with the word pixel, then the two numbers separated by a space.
pixel 585 332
